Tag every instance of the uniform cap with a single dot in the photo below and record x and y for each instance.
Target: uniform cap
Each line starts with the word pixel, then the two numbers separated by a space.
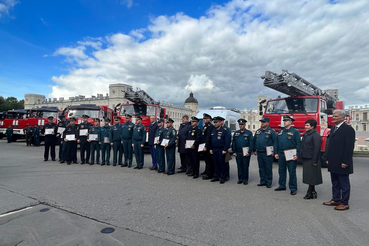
pixel 206 116
pixel 107 119
pixel 265 119
pixel 128 115
pixel 241 121
pixel 193 118
pixel 96 119
pixel 72 119
pixel 170 120
pixel 160 121
pixel 50 118
pixel 116 118
pixel 218 118
pixel 85 116
pixel 138 117
pixel 287 117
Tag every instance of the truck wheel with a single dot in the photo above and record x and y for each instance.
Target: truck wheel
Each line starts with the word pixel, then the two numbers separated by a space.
pixel 1 136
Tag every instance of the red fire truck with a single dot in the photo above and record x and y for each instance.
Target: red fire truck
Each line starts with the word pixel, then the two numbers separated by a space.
pixel 140 104
pixel 92 110
pixel 20 118
pixel 304 101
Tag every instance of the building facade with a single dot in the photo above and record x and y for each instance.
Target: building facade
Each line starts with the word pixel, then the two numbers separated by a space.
pixel 253 116
pixel 116 95
pixel 360 118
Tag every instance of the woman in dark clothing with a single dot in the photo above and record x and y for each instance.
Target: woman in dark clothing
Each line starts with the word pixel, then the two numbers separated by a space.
pixel 309 153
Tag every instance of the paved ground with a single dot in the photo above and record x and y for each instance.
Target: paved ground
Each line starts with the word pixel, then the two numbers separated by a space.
pixel 146 208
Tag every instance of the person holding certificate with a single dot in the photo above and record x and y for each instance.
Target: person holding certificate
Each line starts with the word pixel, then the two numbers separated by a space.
pixel 265 141
pixel 309 153
pixel 153 127
pixel 104 142
pixel 242 146
pixel 159 135
pixel 62 125
pixel 49 130
pixel 36 135
pixel 70 136
pixel 206 139
pixel 115 142
pixel 193 139
pixel 288 149
pixel 170 147
pixel 138 142
pixel 126 137
pixel 184 127
pixel 220 142
pixel 93 138
pixel 82 140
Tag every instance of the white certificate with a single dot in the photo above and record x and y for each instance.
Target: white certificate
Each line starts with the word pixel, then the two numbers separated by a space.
pixel 49 131
pixel 269 150
pixel 83 132
pixel 201 147
pixel 289 154
pixel 245 151
pixel 106 140
pixel 70 137
pixel 164 142
pixel 156 139
pixel 61 130
pixel 92 137
pixel 189 143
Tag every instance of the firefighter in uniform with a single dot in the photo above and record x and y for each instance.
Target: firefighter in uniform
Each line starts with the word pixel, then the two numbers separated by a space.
pixel 104 142
pixel 83 143
pixel 71 144
pixel 138 142
pixel 62 144
pixel 242 146
pixel 115 142
pixel 160 156
pixel 263 138
pixel 181 143
pixel 170 147
pixel 287 138
pixel 36 135
pixel 28 131
pixel 229 135
pixel 206 138
pixel 50 138
pixel 194 134
pixel 126 137
pixel 9 133
pixel 220 142
pixel 94 144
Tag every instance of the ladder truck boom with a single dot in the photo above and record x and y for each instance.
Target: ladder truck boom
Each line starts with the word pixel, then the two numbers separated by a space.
pixel 139 96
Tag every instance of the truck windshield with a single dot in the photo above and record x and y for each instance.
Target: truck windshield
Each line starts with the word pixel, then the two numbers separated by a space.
pixel 134 110
pixel 41 114
pixel 292 105
pixel 79 112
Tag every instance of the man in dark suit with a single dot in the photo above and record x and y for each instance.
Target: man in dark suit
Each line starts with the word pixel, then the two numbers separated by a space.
pixel 339 160
pixel 152 131
pixel 183 152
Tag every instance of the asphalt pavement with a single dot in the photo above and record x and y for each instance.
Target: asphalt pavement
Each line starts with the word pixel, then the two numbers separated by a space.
pixel 47 203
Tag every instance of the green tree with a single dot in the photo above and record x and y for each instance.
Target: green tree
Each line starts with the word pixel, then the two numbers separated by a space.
pixel 10 103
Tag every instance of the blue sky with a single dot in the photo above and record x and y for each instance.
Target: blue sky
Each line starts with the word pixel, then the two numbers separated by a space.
pixel 217 49
pixel 33 30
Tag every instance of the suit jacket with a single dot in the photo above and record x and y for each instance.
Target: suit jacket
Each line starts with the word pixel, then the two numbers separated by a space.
pixel 152 131
pixel 182 135
pixel 340 149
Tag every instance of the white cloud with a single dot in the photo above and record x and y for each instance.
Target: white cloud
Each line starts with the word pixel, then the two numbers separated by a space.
pixel 128 3
pixel 6 5
pixel 222 55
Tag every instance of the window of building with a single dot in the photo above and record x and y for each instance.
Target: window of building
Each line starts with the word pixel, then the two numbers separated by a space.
pixel 364 127
pixel 357 116
pixel 365 116
pixel 253 127
pixel 357 128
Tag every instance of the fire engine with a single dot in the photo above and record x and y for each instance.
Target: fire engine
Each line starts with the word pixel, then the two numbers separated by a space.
pixel 92 110
pixel 20 118
pixel 140 104
pixel 305 101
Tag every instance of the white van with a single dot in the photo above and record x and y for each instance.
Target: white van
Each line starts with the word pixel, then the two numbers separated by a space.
pixel 230 116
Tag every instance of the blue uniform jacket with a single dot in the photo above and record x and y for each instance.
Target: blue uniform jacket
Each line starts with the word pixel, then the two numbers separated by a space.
pixel 115 133
pixel 139 134
pixel 171 134
pixel 220 139
pixel 127 131
pixel 36 132
pixel 95 130
pixel 160 132
pixel 288 139
pixel 264 138
pixel 242 139
pixel 104 132
pixel 9 131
